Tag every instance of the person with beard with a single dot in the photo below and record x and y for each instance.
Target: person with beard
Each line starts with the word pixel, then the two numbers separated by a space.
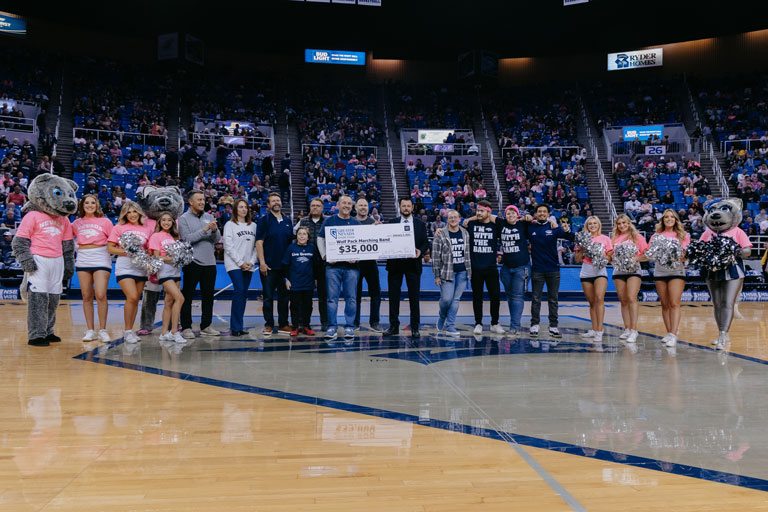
pixel 410 268
pixel 274 233
pixel 313 222
pixel 369 270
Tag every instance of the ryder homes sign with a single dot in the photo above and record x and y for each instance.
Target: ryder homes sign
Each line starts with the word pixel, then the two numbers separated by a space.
pixel 638 59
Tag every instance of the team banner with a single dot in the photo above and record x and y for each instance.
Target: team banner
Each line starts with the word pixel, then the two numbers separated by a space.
pixel 369 242
pixel 638 59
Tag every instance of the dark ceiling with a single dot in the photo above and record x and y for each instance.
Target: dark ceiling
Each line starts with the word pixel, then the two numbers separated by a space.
pixel 417 28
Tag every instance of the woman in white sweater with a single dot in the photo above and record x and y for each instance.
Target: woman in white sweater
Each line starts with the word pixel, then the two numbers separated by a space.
pixel 239 260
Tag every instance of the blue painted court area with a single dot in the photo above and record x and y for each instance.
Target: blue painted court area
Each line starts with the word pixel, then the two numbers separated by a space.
pixel 686 410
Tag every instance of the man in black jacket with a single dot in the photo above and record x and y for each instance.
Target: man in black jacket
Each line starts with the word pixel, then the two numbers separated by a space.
pixel 410 268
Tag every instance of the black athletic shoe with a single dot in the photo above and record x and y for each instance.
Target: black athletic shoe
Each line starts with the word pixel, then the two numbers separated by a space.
pixel 415 334
pixel 392 331
pixel 38 342
pixel 52 338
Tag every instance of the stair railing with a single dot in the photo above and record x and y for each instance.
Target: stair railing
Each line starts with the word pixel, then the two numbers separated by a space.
pixel 288 150
pixel 58 118
pixel 600 174
pixel 389 154
pixel 722 184
pixel 494 174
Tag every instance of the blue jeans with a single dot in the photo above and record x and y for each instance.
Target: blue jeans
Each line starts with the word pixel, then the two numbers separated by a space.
pixel 450 294
pixel 513 279
pixel 241 281
pixel 341 281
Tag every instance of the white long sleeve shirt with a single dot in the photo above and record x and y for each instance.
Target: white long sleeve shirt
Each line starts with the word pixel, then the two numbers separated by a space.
pixel 239 245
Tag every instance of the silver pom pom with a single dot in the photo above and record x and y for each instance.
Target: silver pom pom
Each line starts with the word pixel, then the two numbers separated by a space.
pixel 154 264
pixel 131 243
pixel 624 261
pixel 181 253
pixel 591 249
pixel 665 252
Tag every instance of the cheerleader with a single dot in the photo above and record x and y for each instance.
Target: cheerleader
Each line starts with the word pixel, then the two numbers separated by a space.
pixel 93 263
pixel 130 277
pixel 594 281
pixel 670 283
pixel 169 276
pixel 628 283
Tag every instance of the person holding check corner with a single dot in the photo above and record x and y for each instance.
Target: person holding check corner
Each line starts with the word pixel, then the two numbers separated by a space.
pixel 410 268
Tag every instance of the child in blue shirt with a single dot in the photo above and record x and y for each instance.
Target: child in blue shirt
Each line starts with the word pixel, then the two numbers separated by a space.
pixel 300 281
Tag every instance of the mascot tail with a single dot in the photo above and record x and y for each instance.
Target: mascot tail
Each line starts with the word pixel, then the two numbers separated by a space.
pixel 23 290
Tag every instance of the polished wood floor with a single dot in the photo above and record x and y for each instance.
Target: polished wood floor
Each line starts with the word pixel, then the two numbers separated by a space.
pixel 79 436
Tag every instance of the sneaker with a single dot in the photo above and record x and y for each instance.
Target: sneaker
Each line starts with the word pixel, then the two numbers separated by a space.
pixel 624 335
pixel 478 329
pixel 555 332
pixel 440 326
pixel 188 333
pixel 588 335
pixel 451 331
pixel 295 332
pixel 665 339
pixel 130 337
pixel 722 341
pixel 513 333
pixel 598 338
pixel 90 335
pixel 533 332
pixel 104 336
pixel 671 341
pixel 284 330
pixel 178 338
pixel 376 327
pixel 331 333
pixel 267 331
pixel 308 331
pixel 349 333
pixel 497 329
pixel 166 337
pixel 210 331
pixel 632 338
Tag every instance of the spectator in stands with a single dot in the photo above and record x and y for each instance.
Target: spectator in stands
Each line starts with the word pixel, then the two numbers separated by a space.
pixel 284 183
pixel 16 198
pixel 668 198
pixel 10 219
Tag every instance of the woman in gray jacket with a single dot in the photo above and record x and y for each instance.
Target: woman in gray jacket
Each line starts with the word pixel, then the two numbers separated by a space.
pixel 452 269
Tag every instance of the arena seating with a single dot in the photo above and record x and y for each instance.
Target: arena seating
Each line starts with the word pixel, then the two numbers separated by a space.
pixel 635 103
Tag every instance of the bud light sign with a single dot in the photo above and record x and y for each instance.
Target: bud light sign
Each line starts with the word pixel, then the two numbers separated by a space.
pixel 334 57
pixel 642 132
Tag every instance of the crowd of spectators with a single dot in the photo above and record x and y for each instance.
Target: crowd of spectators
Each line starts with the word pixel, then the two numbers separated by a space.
pixel 337 117
pixel 328 176
pixel 431 107
pixel 736 109
pixel 26 75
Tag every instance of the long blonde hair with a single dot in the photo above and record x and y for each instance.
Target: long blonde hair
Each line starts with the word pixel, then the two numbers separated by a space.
pixel 632 233
pixel 678 228
pixel 599 224
pixel 124 212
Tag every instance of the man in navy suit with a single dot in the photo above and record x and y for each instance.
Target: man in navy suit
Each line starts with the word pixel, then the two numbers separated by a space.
pixel 410 268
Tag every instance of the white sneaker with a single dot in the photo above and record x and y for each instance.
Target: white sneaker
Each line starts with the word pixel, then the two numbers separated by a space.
pixel 497 329
pixel 632 338
pixel 625 334
pixel 104 336
pixel 588 335
pixel 671 341
pixel 188 333
pixel 478 329
pixel 533 332
pixel 598 337
pixel 666 338
pixel 177 337
pixel 166 337
pixel 90 335
pixel 210 331
pixel 130 337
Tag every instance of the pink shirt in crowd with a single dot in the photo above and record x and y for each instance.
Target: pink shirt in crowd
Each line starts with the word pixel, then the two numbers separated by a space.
pixel 142 232
pixel 641 244
pixel 160 241
pixel 92 230
pixel 46 233
pixel 602 240
pixel 736 233
pixel 673 235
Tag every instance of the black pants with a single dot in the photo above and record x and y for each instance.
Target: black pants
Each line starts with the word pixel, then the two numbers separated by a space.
pixel 195 274
pixel 322 295
pixel 301 308
pixel 538 280
pixel 275 279
pixel 490 278
pixel 395 283
pixel 369 270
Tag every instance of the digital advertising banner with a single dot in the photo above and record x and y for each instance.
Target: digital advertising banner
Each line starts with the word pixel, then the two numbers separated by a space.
pixel 334 57
pixel 642 132
pixel 637 59
pixel 13 24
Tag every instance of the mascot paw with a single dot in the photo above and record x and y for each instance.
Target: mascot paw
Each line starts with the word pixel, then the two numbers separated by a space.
pixel 28 266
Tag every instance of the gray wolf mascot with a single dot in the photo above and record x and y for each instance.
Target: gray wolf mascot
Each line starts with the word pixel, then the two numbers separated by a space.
pixel 154 201
pixel 45 249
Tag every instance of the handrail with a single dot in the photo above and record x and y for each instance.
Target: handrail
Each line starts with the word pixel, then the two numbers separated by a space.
pixel 724 191
pixel 600 174
pixel 416 148
pixel 494 174
pixel 213 137
pixel 368 149
pixel 747 142
pixel 288 150
pixel 58 118
pixel 389 154
pixel 122 134
pixel 19 124
pixel 178 146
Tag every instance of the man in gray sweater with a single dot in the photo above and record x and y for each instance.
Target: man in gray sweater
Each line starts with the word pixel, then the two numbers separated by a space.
pixel 200 230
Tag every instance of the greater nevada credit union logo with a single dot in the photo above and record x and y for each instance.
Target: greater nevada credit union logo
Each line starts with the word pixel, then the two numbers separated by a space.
pixel 337 233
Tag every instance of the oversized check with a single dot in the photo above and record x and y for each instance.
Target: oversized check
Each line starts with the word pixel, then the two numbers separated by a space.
pixel 369 242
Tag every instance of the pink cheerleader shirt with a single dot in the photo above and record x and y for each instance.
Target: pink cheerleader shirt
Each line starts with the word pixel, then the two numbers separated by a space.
pixel 160 241
pixel 641 244
pixel 673 235
pixel 602 240
pixel 736 233
pixel 92 230
pixel 142 232
pixel 46 233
